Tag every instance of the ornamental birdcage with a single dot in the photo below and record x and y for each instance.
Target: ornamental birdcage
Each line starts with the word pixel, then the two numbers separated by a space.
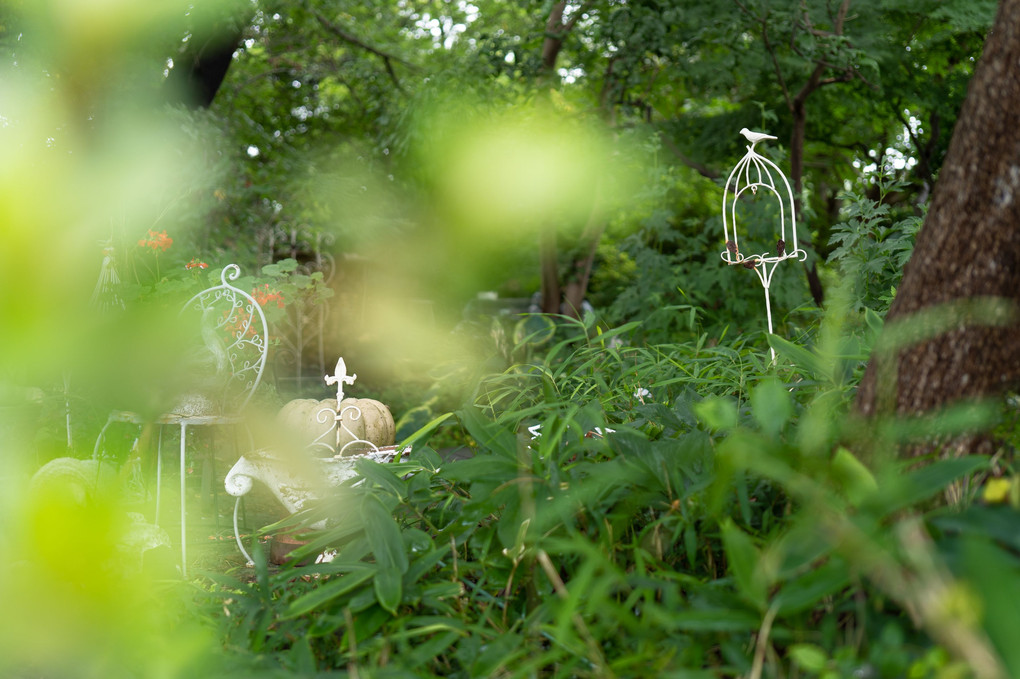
pixel 754 172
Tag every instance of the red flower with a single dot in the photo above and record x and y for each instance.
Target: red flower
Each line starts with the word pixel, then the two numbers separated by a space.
pixel 240 324
pixel 159 242
pixel 264 295
pixel 195 264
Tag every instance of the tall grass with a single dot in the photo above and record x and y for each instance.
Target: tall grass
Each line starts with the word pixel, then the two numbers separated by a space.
pixel 682 510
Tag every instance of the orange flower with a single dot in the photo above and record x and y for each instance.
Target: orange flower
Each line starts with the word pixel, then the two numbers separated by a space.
pixel 159 242
pixel 264 295
pixel 195 264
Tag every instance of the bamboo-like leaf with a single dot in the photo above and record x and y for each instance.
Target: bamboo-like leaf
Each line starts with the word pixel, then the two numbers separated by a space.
pixel 336 587
pixel 383 534
pixel 805 360
pixel 488 434
pixel 389 588
pixel 422 434
pixel 381 476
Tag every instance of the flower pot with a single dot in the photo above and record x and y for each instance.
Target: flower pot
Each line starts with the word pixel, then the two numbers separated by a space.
pixel 282 545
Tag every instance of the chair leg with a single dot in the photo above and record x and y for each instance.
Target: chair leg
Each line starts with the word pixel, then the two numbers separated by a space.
pixel 213 489
pixel 237 534
pixel 99 439
pixel 184 525
pixel 251 447
pixel 159 472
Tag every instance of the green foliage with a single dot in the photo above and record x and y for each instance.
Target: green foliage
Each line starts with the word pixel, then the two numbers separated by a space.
pixel 648 494
pixel 870 250
pixel 674 500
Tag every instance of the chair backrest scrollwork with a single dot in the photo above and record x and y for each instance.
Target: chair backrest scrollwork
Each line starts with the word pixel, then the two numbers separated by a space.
pixel 234 341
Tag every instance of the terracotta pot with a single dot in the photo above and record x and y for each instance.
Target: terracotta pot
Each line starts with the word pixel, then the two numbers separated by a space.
pixel 282 545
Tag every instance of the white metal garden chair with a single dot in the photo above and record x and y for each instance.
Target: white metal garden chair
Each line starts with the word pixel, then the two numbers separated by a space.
pixel 231 357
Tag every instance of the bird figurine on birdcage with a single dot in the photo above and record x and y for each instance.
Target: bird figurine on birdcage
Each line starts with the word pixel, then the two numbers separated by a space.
pixel 751 173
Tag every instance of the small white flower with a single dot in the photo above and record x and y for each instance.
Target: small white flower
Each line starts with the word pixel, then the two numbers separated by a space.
pixel 326 556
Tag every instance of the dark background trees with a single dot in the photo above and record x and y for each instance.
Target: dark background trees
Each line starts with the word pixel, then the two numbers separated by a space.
pixel 852 89
pixel 335 118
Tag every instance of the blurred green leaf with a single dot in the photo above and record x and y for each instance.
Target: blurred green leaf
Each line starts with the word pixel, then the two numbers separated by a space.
pixel 995 577
pixel 901 490
pixel 771 405
pixel 717 413
pixel 716 620
pixel 809 657
pixel 855 479
pixel 742 558
pixel 1000 523
pixel 813 587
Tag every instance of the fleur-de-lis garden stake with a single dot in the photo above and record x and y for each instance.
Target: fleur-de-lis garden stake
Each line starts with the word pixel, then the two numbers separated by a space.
pixel 753 172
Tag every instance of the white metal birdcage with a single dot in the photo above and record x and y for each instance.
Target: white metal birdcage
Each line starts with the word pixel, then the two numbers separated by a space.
pixel 754 172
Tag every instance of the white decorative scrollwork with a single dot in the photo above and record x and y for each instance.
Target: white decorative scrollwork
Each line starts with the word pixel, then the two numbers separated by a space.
pixel 348 414
pixel 320 443
pixel 234 331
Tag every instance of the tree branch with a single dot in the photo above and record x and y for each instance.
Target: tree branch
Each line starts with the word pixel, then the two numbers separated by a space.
pixel 768 48
pixel 556 30
pixel 703 170
pixel 387 58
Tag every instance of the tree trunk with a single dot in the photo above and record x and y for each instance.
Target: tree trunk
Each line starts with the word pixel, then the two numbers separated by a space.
pixel 202 66
pixel 577 284
pixel 798 113
pixel 549 266
pixel 547 248
pixel 960 293
pixel 554 30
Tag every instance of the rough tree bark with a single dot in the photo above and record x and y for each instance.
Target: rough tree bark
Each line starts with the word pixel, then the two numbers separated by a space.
pixel 960 294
